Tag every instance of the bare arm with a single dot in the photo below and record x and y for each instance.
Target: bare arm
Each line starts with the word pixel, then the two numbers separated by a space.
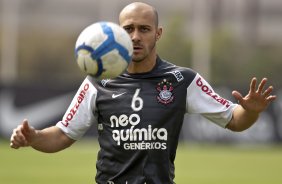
pixel 242 119
pixel 48 140
pixel 250 106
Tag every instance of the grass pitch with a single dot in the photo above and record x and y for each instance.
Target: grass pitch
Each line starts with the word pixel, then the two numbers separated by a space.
pixel 195 164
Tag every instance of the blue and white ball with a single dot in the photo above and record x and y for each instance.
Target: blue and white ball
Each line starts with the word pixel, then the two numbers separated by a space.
pixel 103 50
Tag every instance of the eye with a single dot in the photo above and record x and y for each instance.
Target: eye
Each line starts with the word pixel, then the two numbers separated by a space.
pixel 128 29
pixel 144 29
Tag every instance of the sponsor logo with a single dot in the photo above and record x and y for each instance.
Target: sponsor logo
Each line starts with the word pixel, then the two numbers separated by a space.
pixel 125 133
pixel 165 95
pixel 100 127
pixel 76 105
pixel 104 82
pixel 117 95
pixel 206 89
pixel 177 74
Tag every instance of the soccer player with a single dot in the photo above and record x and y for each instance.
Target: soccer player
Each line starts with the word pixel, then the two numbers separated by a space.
pixel 139 114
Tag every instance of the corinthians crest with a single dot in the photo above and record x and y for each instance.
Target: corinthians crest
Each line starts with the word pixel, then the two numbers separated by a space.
pixel 165 89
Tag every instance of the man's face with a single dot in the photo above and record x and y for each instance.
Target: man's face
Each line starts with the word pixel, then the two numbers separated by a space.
pixel 141 27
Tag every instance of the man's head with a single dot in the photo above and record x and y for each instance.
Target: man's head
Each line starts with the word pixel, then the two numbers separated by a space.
pixel 140 20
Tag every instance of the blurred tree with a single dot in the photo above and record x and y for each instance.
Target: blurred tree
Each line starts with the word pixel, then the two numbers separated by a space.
pixel 47 57
pixel 175 45
pixel 236 62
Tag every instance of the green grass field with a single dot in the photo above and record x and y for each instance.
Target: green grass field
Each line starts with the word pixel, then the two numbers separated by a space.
pixel 195 164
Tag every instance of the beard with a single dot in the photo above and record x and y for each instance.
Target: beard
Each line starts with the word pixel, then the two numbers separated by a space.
pixel 138 59
pixel 145 52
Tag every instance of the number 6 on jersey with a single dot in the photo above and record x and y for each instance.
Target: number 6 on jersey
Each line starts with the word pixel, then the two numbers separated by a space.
pixel 137 102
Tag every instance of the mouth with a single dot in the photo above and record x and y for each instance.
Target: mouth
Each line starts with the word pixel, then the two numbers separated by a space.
pixel 137 47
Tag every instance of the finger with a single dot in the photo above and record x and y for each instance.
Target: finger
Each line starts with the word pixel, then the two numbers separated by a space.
pixel 261 85
pixel 238 96
pixel 267 91
pixel 13 145
pixel 16 143
pixel 25 127
pixel 25 124
pixel 253 85
pixel 18 138
pixel 271 98
pixel 18 134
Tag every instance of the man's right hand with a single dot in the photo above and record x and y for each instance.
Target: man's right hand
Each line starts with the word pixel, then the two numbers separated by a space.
pixel 22 136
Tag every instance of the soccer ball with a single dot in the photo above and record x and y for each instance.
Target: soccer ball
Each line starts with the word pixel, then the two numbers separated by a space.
pixel 103 50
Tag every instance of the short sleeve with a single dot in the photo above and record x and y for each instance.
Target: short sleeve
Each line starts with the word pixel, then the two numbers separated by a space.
pixel 80 114
pixel 202 99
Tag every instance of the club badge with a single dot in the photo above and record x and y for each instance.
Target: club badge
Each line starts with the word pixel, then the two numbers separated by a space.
pixel 165 95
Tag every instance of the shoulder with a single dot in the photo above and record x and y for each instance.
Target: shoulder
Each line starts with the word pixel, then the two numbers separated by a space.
pixel 180 73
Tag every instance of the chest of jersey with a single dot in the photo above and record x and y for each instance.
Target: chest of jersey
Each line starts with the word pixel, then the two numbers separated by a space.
pixel 144 110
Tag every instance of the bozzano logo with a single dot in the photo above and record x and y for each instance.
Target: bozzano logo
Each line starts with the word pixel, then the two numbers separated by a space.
pixel 206 89
pixel 76 104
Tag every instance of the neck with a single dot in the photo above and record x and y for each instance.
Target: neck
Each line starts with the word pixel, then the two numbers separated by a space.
pixel 143 66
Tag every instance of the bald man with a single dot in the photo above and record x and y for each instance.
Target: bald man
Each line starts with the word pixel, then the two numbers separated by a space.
pixel 139 114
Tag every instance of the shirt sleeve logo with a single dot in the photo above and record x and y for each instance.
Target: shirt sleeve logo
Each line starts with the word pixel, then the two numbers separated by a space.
pixel 177 74
pixel 209 91
pixel 165 90
pixel 75 105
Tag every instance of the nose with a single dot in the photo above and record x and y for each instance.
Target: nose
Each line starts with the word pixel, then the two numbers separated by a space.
pixel 135 36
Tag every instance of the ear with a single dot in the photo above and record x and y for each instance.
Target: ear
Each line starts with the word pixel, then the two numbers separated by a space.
pixel 159 33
